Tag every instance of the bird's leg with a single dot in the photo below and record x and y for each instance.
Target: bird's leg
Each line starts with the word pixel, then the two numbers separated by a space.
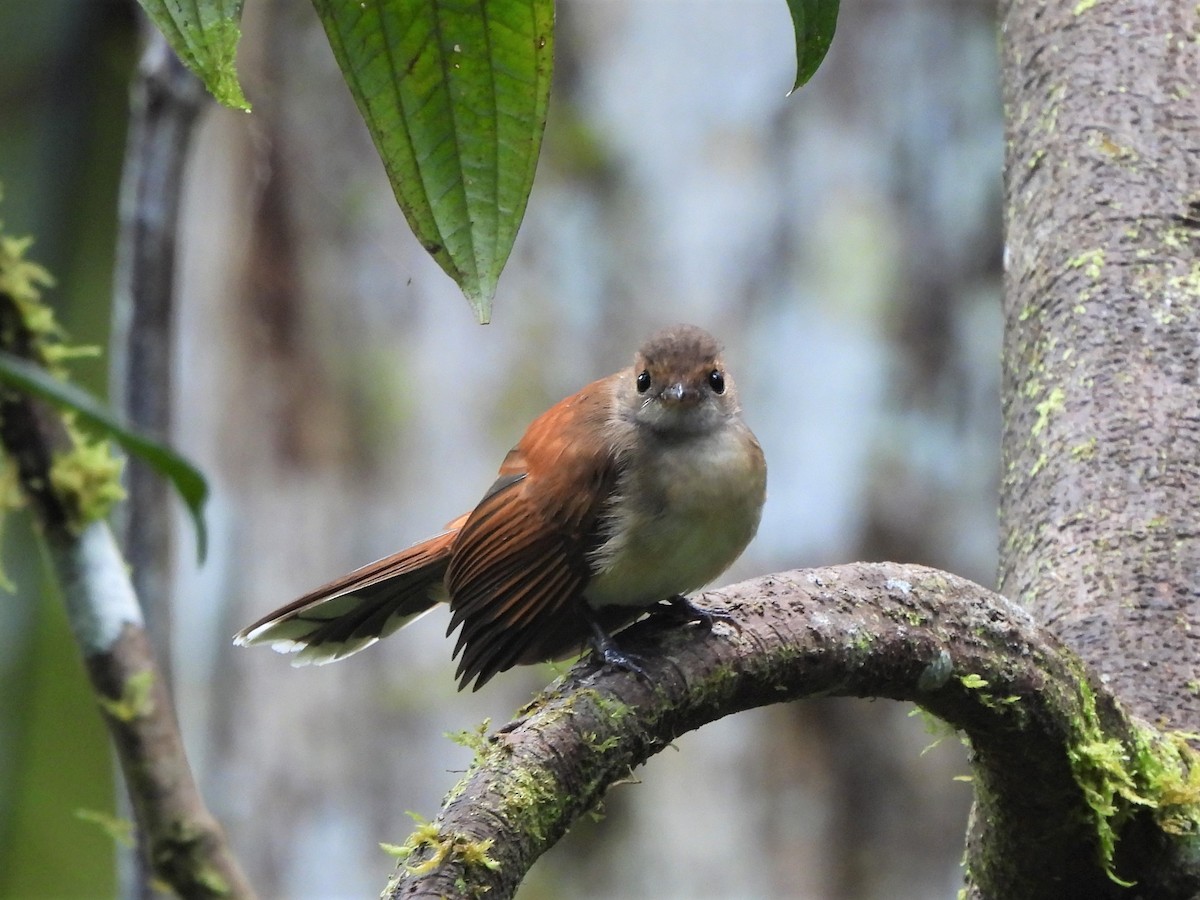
pixel 607 653
pixel 681 606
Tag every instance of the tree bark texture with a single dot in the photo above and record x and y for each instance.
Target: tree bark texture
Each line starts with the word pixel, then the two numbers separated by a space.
pixel 1102 341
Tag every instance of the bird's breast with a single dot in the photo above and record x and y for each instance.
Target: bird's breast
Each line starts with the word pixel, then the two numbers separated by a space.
pixel 681 513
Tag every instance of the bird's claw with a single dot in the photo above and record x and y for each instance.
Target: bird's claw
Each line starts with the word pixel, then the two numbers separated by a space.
pixel 609 656
pixel 687 610
pixel 612 658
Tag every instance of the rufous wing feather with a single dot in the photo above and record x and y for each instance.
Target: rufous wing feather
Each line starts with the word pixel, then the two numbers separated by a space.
pixel 356 610
pixel 521 560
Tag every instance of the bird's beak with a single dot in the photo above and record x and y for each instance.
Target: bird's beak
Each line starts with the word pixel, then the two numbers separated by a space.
pixel 679 394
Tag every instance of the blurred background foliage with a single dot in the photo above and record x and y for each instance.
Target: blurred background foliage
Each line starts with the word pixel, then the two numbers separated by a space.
pixel 844 242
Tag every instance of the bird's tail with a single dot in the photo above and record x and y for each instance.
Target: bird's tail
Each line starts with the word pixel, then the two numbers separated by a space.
pixel 356 610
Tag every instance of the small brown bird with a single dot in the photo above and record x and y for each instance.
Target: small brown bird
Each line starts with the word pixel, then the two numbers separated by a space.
pixel 643 486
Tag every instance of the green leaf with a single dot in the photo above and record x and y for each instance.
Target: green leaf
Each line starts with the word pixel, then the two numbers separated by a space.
pixel 188 482
pixel 205 35
pixel 454 93
pixel 814 22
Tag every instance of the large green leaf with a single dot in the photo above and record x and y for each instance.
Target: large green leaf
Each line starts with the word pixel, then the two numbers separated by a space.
pixel 454 93
pixel 187 480
pixel 205 35
pixel 814 22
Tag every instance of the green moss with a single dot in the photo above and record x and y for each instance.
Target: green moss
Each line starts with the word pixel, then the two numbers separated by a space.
pixel 475 740
pixel 936 728
pixel 1084 451
pixel 534 798
pixel 177 853
pixel 481 746
pixel 601 746
pixel 399 851
pixel 208 877
pixel 613 708
pixel 11 498
pixel 1163 316
pixel 1170 772
pixel 1097 768
pixel 425 835
pixel 716 684
pixel 1038 465
pixel 1106 145
pixel 531 798
pixel 862 639
pixel 1091 261
pixel 1052 404
pixel 1186 286
pixel 1048 122
pixel 87 478
pixel 1153 771
pixel 135 700
pixel 444 846
pixel 475 853
pixel 973 682
pixel 22 281
pixel 119 829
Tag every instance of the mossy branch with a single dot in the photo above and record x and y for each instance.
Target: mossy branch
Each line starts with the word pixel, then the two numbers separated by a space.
pixel 1111 799
pixel 71 482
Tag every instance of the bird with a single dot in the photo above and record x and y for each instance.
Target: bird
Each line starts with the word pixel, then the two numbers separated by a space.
pixel 617 501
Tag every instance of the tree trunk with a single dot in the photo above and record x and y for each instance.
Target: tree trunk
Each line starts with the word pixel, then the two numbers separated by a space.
pixel 1101 445
pixel 1102 342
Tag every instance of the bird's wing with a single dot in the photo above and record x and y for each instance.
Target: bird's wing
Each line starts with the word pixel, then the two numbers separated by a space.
pixel 520 562
pixel 356 610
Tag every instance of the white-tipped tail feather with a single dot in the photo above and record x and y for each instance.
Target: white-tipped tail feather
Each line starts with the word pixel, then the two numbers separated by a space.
pixel 295 635
pixel 355 611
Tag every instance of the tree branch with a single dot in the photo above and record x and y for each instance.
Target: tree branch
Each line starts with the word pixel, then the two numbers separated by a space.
pixel 185 845
pixel 165 102
pixel 1031 713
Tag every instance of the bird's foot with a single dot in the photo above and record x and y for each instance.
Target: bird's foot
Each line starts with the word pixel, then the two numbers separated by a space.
pixel 681 607
pixel 608 655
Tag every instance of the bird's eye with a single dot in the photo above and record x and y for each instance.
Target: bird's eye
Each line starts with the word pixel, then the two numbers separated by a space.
pixel 716 381
pixel 643 382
